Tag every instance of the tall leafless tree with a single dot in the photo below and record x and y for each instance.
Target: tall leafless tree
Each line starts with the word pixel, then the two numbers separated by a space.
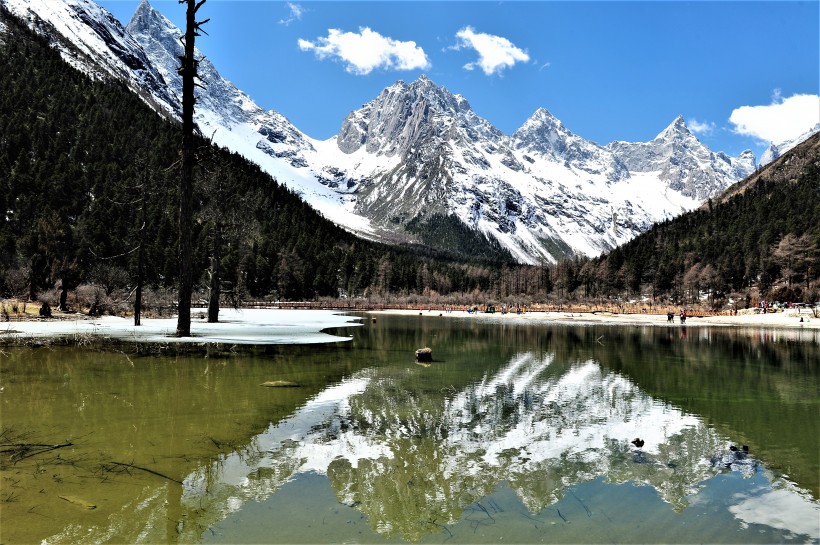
pixel 140 252
pixel 188 70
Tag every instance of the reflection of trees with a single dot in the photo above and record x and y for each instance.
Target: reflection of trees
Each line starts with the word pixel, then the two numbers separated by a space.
pixel 406 494
pixel 414 459
pixel 759 385
pixel 414 448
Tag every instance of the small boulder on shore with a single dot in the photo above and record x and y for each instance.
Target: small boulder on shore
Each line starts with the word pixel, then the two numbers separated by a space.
pixel 424 355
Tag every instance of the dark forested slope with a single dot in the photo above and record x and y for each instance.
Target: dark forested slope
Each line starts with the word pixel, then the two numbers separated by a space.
pixel 88 171
pixel 762 234
pixel 85 164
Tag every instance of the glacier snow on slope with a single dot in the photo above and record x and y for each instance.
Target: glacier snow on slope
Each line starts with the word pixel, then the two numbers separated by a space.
pixel 415 152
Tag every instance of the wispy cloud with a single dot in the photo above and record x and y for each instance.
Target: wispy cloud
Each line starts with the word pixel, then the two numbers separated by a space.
pixel 295 14
pixel 366 51
pixel 495 53
pixel 705 128
pixel 780 121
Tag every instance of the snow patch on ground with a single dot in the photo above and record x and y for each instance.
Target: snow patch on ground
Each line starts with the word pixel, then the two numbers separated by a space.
pixel 252 327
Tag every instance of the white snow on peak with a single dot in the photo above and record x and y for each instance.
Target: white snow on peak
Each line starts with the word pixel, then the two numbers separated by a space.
pixel 676 129
pixel 92 40
pixel 774 151
pixel 519 424
pixel 416 150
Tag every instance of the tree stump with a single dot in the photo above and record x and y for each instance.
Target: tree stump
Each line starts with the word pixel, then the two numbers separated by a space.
pixel 424 355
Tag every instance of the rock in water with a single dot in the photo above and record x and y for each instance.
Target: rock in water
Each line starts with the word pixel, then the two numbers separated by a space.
pixel 424 355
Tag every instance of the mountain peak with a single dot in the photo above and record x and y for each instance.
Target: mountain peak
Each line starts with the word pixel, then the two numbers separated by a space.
pixel 94 41
pixel 542 116
pixel 425 85
pixel 675 129
pixel 403 115
pixel 541 130
pixel 146 17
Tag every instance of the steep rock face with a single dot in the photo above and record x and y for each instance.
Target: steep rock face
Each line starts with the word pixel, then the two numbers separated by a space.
pixel 220 104
pixel 543 134
pixel 542 192
pixel 404 117
pixel 681 161
pixel 422 138
pixel 417 155
pixel 92 40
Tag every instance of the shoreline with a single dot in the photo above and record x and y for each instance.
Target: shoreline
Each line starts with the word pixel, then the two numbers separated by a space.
pixel 788 319
pixel 253 327
pixel 289 326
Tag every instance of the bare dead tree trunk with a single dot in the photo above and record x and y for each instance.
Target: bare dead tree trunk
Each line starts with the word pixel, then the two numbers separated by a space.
pixel 63 297
pixel 213 298
pixel 140 259
pixel 188 70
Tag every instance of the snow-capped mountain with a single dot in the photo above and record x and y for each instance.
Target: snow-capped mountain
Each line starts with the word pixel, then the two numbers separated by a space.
pixel 92 40
pixel 774 151
pixel 415 153
pixel 543 134
pixel 232 120
pixel 543 192
pixel 683 163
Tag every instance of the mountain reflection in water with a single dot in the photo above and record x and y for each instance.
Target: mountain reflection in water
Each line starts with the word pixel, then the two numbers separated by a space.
pixel 412 460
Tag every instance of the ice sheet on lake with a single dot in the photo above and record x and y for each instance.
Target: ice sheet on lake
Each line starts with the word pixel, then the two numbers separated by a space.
pixel 250 326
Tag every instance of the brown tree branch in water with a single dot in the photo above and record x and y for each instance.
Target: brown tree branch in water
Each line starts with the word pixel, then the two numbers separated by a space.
pixel 147 471
pixel 21 451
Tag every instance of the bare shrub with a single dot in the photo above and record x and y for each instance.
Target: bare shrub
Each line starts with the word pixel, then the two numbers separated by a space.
pixel 158 302
pixel 109 277
pixel 94 298
pixel 17 281
pixel 52 297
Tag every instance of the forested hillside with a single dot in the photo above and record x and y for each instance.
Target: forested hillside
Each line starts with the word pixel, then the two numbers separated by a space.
pixel 760 239
pixel 88 176
pixel 88 173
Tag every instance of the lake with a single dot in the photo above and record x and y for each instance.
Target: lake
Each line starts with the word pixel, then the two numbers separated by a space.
pixel 517 432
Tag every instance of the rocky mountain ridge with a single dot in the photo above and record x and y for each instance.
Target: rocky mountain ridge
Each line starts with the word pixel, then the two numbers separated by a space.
pixel 417 153
pixel 775 151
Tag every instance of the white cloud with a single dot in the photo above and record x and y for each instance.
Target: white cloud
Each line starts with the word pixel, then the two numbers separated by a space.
pixel 780 121
pixel 296 12
pixel 705 127
pixel 367 50
pixel 495 53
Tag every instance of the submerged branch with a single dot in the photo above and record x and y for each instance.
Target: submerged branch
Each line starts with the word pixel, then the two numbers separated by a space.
pixel 21 451
pixel 151 471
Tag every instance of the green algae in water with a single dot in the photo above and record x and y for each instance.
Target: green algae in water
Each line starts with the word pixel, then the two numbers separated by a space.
pixel 518 433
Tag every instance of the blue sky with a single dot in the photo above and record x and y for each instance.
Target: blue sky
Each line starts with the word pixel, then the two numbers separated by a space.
pixel 608 70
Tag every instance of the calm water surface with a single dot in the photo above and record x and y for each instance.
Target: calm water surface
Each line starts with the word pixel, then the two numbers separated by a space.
pixel 516 433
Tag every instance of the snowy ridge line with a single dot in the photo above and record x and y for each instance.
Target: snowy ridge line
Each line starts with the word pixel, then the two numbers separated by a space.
pixel 416 151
